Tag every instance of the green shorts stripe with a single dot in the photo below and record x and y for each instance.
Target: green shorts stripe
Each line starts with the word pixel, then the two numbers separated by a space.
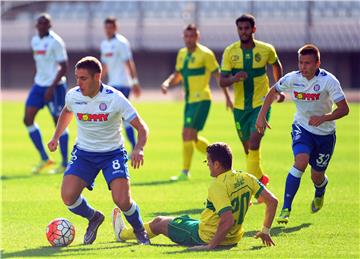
pixel 245 121
pixel 184 230
pixel 195 114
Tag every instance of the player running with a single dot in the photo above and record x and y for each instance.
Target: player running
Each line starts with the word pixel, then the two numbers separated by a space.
pixel 221 221
pixel 244 66
pixel 195 64
pixel 49 89
pixel 99 111
pixel 314 90
pixel 119 65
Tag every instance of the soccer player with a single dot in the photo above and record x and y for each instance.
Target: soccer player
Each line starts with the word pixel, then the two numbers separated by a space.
pixel 195 64
pixel 99 110
pixel 221 221
pixel 119 66
pixel 314 90
pixel 49 89
pixel 244 66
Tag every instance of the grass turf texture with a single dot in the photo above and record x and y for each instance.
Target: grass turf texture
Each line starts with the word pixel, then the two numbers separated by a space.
pixel 29 202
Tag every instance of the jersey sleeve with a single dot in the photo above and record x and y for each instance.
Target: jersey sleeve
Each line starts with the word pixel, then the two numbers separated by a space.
pixel 218 196
pixel 127 111
pixel 284 84
pixel 335 91
pixel 179 64
pixel 225 63
pixel 254 184
pixel 272 55
pixel 68 102
pixel 210 62
pixel 60 51
pixel 125 51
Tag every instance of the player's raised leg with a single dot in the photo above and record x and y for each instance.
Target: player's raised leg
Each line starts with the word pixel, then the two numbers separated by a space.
pixel 320 181
pixel 120 190
pixel 36 138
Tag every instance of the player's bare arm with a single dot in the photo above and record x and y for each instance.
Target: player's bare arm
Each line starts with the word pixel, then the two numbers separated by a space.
pixel 271 203
pixel 63 122
pixel 228 80
pixel 229 103
pixel 342 109
pixel 225 224
pixel 62 71
pixel 172 80
pixel 132 69
pixel 278 72
pixel 104 71
pixel 137 155
pixel 261 122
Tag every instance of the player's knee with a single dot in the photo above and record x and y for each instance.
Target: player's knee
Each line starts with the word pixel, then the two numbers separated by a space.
pixel 28 121
pixel 156 225
pixel 317 177
pixel 68 197
pixel 124 203
pixel 301 161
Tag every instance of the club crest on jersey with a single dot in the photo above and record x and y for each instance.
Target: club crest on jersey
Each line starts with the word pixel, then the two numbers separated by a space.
pixel 102 106
pixel 93 117
pixel 257 57
pixel 316 87
pixel 235 58
pixel 306 96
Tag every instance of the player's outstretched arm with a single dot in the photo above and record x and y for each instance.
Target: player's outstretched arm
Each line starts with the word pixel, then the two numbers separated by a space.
pixel 172 80
pixel 63 122
pixel 271 203
pixel 51 89
pixel 261 122
pixel 137 155
pixel 133 73
pixel 342 109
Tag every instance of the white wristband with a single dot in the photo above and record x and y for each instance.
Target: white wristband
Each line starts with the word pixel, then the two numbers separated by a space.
pixel 135 81
pixel 265 230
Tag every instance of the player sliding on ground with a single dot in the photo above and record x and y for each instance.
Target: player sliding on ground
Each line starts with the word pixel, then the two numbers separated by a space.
pixel 314 91
pixel 221 221
pixel 99 111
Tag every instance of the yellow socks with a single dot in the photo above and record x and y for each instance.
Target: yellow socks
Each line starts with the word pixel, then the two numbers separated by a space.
pixel 188 149
pixel 128 233
pixel 201 144
pixel 253 163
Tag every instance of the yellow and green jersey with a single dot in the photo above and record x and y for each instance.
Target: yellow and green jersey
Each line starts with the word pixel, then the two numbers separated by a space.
pixel 231 190
pixel 196 68
pixel 249 93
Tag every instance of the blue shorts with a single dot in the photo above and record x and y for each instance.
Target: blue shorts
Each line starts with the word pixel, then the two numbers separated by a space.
pixel 125 90
pixel 87 165
pixel 36 99
pixel 319 147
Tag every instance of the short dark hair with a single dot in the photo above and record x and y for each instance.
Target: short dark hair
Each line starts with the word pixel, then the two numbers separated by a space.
pixel 110 20
pixel 310 49
pixel 220 152
pixel 246 18
pixel 44 16
pixel 192 27
pixel 89 63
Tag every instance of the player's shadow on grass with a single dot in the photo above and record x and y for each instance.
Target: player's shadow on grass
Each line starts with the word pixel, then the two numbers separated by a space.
pixel 177 213
pixel 186 250
pixel 152 183
pixel 275 231
pixel 71 251
pixel 15 177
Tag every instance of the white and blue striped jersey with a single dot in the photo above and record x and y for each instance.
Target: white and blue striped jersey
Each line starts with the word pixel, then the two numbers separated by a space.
pixel 313 97
pixel 99 118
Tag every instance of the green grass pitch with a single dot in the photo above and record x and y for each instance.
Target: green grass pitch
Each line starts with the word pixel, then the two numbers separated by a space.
pixel 29 202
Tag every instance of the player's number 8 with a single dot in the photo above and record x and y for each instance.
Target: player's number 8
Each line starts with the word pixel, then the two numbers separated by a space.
pixel 115 164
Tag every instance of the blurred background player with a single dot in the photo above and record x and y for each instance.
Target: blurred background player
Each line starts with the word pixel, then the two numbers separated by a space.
pixel 99 111
pixel 221 222
pixel 244 66
pixel 49 89
pixel 119 66
pixel 314 90
pixel 195 64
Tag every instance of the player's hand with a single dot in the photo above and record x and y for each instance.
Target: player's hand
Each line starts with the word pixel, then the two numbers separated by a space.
pixel 199 248
pixel 266 238
pixel 164 88
pixel 316 120
pixel 53 144
pixel 229 104
pixel 240 76
pixel 136 90
pixel 262 124
pixel 137 157
pixel 281 97
pixel 49 93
